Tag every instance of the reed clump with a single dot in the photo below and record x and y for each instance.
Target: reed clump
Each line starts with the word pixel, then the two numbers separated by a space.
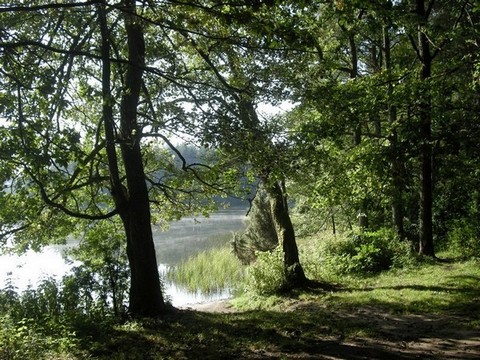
pixel 211 271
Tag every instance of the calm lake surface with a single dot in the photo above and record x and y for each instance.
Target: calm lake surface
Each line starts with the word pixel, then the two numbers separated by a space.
pixel 183 239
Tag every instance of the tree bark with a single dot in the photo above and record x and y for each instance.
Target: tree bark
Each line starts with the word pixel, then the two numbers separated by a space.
pixel 425 116
pixel 357 136
pixel 146 298
pixel 396 160
pixel 294 274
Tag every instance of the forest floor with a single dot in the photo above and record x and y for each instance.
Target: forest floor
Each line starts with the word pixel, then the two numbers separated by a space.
pixel 429 312
pixel 397 336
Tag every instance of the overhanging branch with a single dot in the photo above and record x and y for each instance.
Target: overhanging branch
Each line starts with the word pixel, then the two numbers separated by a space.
pixel 47 200
pixel 35 8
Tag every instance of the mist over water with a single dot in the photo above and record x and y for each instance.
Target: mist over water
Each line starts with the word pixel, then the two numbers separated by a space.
pixel 184 238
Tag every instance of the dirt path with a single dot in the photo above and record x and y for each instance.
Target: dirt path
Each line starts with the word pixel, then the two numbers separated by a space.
pixel 419 336
pixel 220 306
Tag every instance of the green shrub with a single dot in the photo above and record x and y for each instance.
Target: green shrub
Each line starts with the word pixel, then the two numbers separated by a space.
pixel 100 283
pixel 19 340
pixel 43 321
pixel 266 275
pixel 464 239
pixel 32 324
pixel 354 253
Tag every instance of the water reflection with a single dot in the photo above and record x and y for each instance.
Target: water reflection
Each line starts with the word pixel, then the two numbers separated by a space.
pixel 31 268
pixel 181 298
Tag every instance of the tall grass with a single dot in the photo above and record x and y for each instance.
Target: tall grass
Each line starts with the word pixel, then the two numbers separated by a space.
pixel 209 271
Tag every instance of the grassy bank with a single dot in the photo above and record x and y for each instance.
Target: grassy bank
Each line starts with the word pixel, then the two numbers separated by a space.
pixel 428 309
pixel 394 315
pixel 397 315
pixel 433 287
pixel 324 259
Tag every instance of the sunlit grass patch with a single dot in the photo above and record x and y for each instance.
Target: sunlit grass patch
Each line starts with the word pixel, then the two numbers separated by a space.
pixel 432 288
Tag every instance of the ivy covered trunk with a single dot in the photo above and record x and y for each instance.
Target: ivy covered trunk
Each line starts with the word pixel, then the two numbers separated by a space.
pixel 294 274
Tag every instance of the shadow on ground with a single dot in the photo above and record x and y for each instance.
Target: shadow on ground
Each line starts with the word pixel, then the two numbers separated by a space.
pixel 307 331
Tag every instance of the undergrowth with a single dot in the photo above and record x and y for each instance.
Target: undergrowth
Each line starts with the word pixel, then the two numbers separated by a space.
pixel 355 254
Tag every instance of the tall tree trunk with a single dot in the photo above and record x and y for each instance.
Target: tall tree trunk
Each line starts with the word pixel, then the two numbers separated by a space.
pixel 334 228
pixel 425 117
pixel 294 274
pixel 146 297
pixel 396 161
pixel 357 136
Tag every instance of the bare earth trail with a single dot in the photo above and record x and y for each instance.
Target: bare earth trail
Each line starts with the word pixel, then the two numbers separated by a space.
pixel 395 336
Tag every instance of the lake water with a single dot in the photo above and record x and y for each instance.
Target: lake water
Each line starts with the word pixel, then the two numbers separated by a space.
pixel 184 238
